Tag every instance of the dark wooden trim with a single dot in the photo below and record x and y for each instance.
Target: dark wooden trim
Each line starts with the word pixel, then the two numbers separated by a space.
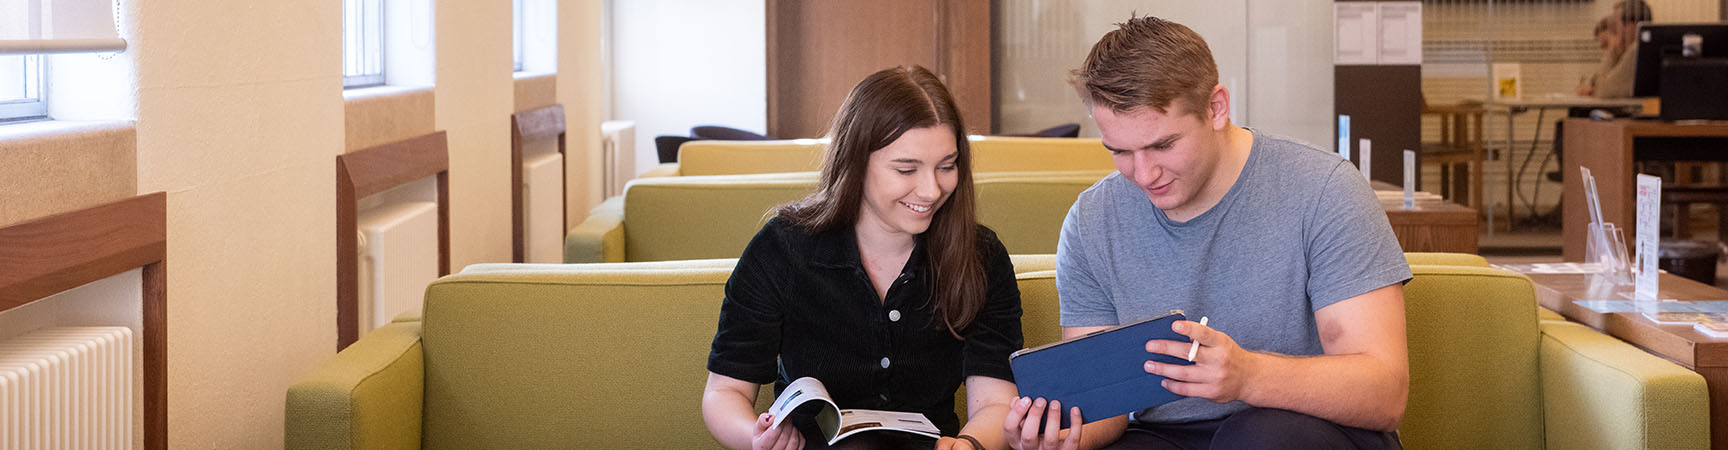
pixel 538 123
pixel 46 256
pixel 377 169
pixel 773 24
pixel 156 355
pixel 370 171
pixel 518 202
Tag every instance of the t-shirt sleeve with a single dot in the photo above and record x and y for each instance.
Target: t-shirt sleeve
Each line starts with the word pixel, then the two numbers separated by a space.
pixel 1351 249
pixel 1084 301
pixel 995 333
pixel 747 341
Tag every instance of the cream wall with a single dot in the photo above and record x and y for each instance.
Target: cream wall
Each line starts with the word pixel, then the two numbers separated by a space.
pixel 579 89
pixel 678 64
pixel 239 114
pixel 476 94
pixel 239 119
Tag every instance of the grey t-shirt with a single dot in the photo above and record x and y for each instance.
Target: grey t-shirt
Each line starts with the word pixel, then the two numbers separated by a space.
pixel 1300 230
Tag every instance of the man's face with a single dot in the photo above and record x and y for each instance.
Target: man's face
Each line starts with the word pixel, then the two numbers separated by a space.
pixel 1606 39
pixel 1171 156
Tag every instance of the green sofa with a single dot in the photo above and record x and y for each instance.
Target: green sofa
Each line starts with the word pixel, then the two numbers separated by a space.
pixel 989 154
pixel 613 356
pixel 700 217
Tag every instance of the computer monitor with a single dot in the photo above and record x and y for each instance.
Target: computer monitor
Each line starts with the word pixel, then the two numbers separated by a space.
pixel 1658 41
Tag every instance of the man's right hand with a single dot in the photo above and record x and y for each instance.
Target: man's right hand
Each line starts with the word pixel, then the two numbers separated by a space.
pixel 1022 432
pixel 769 437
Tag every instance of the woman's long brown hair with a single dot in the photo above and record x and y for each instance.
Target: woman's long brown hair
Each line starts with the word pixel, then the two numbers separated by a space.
pixel 877 111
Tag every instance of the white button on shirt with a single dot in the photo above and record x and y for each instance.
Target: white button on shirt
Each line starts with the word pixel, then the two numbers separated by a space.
pixel 894 315
pixel 884 362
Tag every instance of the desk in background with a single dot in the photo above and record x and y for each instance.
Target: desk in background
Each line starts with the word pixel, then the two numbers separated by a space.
pixel 1434 225
pixel 1513 107
pixel 1678 343
pixel 1609 149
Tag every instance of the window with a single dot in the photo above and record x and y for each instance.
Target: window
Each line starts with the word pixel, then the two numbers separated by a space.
pixel 21 87
pixel 362 43
pixel 516 39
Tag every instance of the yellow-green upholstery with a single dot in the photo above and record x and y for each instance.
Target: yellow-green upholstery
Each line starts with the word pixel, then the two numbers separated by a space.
pixel 1485 373
pixel 699 217
pixel 1445 259
pixel 697 158
pixel 989 154
pixel 370 396
pixel 1026 209
pixel 1028 154
pixel 613 356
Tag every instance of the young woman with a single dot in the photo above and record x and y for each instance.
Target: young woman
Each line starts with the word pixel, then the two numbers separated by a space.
pixel 881 285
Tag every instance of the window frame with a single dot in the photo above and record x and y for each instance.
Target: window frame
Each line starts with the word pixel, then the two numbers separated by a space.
pixel 520 34
pixel 35 103
pixel 369 42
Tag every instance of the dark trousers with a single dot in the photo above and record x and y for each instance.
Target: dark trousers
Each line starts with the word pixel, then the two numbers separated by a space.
pixel 1255 428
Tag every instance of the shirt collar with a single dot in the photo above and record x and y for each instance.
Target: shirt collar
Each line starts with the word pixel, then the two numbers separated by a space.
pixel 838 249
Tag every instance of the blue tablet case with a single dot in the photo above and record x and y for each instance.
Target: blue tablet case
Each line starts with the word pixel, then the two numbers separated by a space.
pixel 1103 373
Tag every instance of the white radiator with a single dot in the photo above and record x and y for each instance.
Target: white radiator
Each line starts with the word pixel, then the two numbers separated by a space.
pixel 543 195
pixel 67 388
pixel 398 258
pixel 618 155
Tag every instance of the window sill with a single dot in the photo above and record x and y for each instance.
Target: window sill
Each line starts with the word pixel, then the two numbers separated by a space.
pixel 17 132
pixel 386 90
pixel 519 75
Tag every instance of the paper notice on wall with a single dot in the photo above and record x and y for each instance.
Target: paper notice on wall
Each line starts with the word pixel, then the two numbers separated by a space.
pixel 1649 235
pixel 1355 33
pixel 1507 82
pixel 1400 33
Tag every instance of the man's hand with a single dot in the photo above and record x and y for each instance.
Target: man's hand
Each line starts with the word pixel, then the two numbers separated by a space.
pixel 1021 428
pixel 1221 369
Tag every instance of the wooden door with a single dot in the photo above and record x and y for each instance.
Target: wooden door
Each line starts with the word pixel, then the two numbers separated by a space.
pixel 819 49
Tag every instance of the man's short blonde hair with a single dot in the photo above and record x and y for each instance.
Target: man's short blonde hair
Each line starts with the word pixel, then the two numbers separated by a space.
pixel 1148 62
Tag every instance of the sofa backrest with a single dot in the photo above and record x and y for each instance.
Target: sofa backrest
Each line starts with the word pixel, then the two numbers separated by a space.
pixel 1026 209
pixel 1028 154
pixel 989 154
pixel 748 157
pixel 535 356
pixel 696 217
pixel 1473 342
pixel 594 355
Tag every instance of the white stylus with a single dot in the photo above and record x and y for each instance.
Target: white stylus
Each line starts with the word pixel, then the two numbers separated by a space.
pixel 1196 346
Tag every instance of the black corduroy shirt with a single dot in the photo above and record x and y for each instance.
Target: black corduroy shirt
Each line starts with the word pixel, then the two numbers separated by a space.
pixel 801 305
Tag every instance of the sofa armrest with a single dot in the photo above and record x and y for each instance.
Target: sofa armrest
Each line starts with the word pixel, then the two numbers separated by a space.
pixel 367 397
pixel 1601 393
pixel 662 170
pixel 599 238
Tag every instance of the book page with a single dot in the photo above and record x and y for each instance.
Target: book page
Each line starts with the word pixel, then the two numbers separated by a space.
pixel 801 391
pixel 853 421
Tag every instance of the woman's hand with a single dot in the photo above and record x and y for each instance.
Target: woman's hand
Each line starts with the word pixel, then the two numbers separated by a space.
pixel 1021 426
pixel 769 437
pixel 948 443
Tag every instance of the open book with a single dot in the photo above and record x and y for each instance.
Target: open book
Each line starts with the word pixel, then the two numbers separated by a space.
pixel 836 423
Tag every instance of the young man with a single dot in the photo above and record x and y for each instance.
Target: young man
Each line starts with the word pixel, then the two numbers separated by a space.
pixel 1283 246
pixel 1616 77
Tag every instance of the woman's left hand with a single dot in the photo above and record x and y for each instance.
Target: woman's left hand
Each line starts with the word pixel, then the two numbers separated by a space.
pixel 948 443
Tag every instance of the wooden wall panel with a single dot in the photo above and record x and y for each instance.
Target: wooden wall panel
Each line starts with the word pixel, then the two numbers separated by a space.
pixel 818 50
